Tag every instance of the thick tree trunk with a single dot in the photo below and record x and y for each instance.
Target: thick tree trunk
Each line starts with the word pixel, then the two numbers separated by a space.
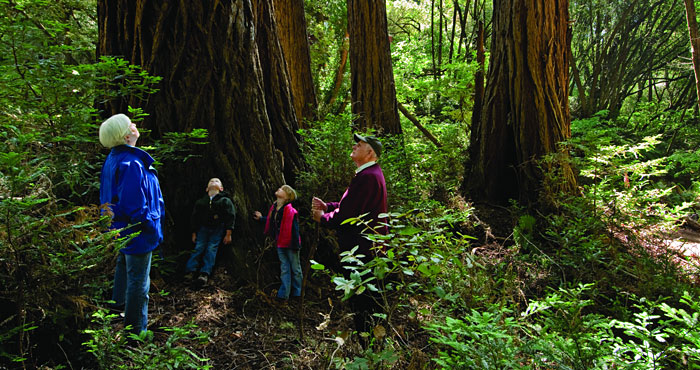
pixel 291 28
pixel 373 90
pixel 207 54
pixel 277 91
pixel 694 42
pixel 526 111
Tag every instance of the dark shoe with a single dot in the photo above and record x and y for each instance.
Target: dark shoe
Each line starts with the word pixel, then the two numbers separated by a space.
pixel 202 279
pixel 115 308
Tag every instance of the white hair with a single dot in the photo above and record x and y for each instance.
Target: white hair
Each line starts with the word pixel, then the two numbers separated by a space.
pixel 113 130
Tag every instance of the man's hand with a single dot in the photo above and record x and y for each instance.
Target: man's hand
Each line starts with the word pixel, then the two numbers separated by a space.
pixel 317 214
pixel 227 237
pixel 318 204
pixel 194 237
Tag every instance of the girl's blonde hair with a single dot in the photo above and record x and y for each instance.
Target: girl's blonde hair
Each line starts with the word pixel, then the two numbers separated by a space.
pixel 113 130
pixel 291 193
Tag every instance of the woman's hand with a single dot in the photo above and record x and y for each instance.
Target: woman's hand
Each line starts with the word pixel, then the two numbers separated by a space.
pixel 257 215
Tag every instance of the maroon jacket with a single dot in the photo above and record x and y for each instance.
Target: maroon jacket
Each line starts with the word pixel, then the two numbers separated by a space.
pixel 366 194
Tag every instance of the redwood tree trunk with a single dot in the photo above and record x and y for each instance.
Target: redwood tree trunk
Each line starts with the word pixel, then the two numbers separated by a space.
pixel 277 90
pixel 373 89
pixel 207 55
pixel 525 112
pixel 291 28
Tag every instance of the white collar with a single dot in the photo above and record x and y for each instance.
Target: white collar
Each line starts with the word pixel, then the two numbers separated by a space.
pixel 359 169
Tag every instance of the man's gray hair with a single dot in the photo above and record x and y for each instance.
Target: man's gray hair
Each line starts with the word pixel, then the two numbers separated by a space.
pixel 113 130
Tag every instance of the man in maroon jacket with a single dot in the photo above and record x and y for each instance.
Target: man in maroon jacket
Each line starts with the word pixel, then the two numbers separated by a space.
pixel 365 195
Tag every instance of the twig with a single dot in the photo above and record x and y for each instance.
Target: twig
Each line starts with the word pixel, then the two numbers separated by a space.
pixel 64 354
pixel 563 274
pixel 399 335
pixel 265 357
pixel 340 344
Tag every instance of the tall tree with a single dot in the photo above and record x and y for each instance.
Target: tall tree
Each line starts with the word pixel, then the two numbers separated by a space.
pixel 373 89
pixel 291 28
pixel 276 88
pixel 694 42
pixel 525 112
pixel 209 56
pixel 340 71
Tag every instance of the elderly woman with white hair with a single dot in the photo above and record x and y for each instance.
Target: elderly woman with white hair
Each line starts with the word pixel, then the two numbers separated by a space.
pixel 129 187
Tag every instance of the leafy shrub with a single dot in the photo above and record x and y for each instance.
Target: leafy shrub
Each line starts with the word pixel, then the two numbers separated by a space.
pixel 482 340
pixel 420 255
pixel 123 350
pixel 560 332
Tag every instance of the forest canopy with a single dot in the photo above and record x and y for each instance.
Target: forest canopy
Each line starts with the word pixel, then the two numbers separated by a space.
pixel 541 157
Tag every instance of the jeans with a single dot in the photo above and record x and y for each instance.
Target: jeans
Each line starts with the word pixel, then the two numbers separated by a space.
pixel 131 285
pixel 290 273
pixel 208 239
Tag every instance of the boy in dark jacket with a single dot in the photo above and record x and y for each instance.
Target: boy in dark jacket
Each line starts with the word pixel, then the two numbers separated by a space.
pixel 212 220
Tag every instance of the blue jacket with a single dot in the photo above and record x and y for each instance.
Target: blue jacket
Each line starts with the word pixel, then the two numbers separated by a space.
pixel 129 184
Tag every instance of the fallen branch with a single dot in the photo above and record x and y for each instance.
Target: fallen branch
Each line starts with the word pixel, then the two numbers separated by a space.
pixel 415 121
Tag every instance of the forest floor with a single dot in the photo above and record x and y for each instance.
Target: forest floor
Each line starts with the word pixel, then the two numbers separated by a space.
pixel 249 329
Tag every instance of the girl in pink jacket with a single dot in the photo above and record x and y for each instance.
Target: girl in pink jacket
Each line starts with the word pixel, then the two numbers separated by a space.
pixel 282 225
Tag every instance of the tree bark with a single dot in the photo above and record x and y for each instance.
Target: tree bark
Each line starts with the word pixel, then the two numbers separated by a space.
pixel 373 89
pixel 694 42
pixel 291 27
pixel 525 112
pixel 209 57
pixel 277 91
pixel 479 76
